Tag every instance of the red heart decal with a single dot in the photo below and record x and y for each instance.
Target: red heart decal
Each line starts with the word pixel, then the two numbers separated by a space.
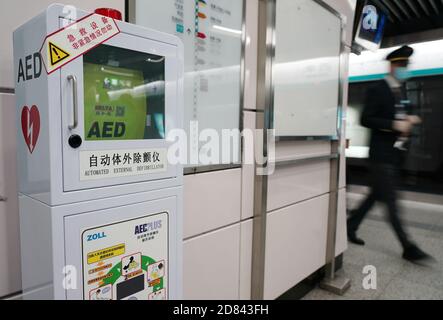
pixel 31 126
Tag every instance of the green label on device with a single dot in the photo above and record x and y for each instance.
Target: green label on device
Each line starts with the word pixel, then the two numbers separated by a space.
pixel 115 104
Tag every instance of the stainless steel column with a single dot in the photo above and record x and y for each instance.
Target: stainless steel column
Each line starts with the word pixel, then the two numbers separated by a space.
pixel 332 282
pixel 337 285
pixel 266 45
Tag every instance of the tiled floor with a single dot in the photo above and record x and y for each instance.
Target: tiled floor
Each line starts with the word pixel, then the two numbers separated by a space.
pixel 396 278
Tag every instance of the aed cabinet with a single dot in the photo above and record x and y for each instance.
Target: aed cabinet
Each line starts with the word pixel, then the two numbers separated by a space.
pixel 100 204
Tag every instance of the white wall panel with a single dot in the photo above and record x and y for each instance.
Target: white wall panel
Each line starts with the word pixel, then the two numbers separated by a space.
pixel 245 259
pixel 295 244
pixel 295 149
pixel 305 73
pixel 211 201
pixel 211 265
pixel 291 184
pixel 10 280
pixel 294 183
pixel 15 13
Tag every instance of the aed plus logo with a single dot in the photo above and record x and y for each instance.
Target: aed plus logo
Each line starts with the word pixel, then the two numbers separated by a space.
pixel 95 236
pixel 147 227
pixel 370 18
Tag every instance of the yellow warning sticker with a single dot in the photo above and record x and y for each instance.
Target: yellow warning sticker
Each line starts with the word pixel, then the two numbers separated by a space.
pixel 74 40
pixel 106 253
pixel 56 54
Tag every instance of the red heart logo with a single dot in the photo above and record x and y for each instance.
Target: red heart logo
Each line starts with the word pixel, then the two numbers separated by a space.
pixel 31 126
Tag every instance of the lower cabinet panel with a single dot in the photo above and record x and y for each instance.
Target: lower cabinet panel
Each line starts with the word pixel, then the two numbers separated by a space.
pixel 211 265
pixel 295 244
pixel 291 184
pixel 211 201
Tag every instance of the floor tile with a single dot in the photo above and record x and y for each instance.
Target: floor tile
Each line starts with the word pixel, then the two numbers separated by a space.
pixel 357 290
pixel 402 289
pixel 396 277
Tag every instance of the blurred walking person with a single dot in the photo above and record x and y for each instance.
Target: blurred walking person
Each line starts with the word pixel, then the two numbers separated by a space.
pixel 386 114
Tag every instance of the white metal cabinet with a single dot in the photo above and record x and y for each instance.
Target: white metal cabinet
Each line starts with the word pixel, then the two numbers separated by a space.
pixel 9 221
pixel 136 75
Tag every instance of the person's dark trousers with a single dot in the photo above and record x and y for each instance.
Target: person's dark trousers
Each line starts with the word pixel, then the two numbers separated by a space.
pixel 383 185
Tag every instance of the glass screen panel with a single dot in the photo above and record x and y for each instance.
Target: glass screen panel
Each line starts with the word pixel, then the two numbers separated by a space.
pixel 124 94
pixel 211 32
pixel 306 63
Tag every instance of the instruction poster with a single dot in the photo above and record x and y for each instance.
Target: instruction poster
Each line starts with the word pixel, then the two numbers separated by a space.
pixel 127 260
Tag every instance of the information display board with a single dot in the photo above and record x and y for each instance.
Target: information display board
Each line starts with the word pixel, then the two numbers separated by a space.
pixel 306 69
pixel 211 31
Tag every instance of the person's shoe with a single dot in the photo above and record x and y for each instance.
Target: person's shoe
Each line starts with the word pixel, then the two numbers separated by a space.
pixel 352 237
pixel 415 254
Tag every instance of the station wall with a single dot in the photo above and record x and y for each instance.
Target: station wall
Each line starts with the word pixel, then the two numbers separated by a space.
pixel 218 206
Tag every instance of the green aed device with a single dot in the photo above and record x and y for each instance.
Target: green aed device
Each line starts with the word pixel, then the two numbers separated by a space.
pixel 115 107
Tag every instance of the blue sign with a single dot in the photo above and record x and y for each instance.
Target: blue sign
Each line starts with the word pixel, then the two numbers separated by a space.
pixel 372 23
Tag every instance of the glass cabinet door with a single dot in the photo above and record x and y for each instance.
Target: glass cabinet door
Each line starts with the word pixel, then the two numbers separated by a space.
pixel 119 101
pixel 124 94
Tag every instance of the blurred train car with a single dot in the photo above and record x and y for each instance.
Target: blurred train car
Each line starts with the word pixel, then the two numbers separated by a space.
pixel 423 169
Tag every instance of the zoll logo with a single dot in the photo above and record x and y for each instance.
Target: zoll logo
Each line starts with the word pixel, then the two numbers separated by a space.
pixel 96 236
pixel 30 126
